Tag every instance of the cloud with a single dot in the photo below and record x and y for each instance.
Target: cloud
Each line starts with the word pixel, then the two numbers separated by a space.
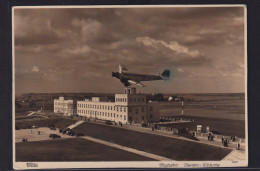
pixel 89 28
pixel 87 44
pixel 172 45
pixel 35 69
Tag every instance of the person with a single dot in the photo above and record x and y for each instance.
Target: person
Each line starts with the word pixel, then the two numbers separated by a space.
pixel 39 132
pixel 208 137
pixel 222 139
pixel 152 128
pixel 238 146
pixel 212 138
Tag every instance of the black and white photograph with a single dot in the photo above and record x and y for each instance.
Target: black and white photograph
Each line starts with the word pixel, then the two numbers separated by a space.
pixel 152 86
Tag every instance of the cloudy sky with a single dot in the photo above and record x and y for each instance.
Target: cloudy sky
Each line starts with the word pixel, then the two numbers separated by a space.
pixel 76 49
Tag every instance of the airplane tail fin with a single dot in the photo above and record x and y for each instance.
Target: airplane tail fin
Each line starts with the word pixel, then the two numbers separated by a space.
pixel 166 74
pixel 122 69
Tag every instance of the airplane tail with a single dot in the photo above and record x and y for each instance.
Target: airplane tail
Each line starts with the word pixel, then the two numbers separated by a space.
pixel 166 74
pixel 122 69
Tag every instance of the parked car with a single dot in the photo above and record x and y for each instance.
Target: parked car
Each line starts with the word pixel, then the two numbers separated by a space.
pixel 108 122
pixel 53 136
pixel 71 133
pixel 79 134
pixel 34 127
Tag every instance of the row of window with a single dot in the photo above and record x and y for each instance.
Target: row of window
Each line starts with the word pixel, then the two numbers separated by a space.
pixel 130 99
pixel 91 106
pixel 97 113
pixel 62 104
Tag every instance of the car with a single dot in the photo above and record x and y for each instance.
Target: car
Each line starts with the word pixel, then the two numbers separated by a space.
pixel 34 127
pixel 53 136
pixel 108 122
pixel 79 134
pixel 71 133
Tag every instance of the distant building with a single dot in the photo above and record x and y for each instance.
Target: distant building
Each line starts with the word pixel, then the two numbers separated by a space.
pixel 67 107
pixel 129 107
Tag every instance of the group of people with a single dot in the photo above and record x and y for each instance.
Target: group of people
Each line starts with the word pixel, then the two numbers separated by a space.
pixel 210 137
pixel 25 139
pixel 224 141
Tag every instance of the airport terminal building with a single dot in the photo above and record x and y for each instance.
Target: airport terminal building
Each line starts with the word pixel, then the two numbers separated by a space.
pixel 66 107
pixel 129 107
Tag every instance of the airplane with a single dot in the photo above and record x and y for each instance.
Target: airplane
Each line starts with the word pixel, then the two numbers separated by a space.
pixel 128 78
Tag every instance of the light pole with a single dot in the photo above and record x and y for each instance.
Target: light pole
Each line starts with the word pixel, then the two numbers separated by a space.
pixel 182 107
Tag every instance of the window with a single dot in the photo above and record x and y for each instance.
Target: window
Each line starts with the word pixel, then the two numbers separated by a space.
pixel 151 115
pixel 114 115
pixel 151 108
pixel 138 99
pixel 142 99
pixel 134 100
pixel 117 109
pixel 130 99
pixel 136 111
pixel 124 109
pixel 108 114
pixel 142 109
pixel 120 109
pixel 124 117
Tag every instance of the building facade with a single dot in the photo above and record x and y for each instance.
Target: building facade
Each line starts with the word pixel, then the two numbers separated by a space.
pixel 67 107
pixel 129 107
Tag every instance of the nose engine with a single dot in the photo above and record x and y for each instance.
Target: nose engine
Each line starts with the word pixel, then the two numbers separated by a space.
pixel 115 74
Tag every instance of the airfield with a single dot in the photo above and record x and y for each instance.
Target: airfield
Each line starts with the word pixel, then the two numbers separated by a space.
pixel 103 142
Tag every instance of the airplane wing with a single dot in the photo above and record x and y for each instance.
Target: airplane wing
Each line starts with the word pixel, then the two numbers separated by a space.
pixel 136 83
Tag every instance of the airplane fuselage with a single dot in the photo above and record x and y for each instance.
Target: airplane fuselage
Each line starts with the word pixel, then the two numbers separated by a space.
pixel 128 78
pixel 139 77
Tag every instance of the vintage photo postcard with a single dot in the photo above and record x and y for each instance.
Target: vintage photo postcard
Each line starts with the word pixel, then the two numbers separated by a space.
pixel 129 86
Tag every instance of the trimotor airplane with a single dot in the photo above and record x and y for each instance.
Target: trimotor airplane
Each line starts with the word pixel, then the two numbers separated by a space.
pixel 128 78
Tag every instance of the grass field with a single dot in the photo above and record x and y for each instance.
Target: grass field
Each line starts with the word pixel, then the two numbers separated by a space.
pixel 224 113
pixel 175 149
pixel 224 126
pixel 224 109
pixel 73 149
pixel 60 123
